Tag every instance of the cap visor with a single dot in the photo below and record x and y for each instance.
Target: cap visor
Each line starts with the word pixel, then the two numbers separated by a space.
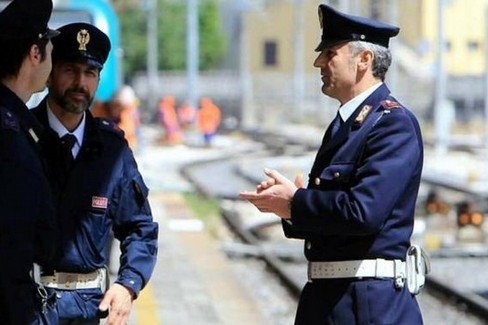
pixel 50 33
pixel 93 63
pixel 326 44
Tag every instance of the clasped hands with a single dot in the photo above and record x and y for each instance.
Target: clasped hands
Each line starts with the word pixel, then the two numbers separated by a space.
pixel 274 194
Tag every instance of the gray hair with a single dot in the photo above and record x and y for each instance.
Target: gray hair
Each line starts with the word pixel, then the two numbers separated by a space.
pixel 382 56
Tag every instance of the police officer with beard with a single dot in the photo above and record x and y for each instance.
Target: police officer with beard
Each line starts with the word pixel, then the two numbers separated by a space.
pixel 97 189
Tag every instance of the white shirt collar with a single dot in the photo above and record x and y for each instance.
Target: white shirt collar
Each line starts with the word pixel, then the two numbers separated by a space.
pixel 348 108
pixel 59 128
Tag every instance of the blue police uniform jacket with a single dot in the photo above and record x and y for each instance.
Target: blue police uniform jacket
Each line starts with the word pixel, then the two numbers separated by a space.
pixel 104 191
pixel 27 225
pixel 360 204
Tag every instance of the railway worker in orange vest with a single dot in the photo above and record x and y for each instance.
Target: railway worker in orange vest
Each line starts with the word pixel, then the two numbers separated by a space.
pixel 208 119
pixel 126 104
pixel 169 120
pixel 186 115
pixel 101 109
pixel 356 214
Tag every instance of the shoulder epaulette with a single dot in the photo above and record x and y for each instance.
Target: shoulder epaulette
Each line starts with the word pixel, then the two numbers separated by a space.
pixel 390 104
pixel 107 125
pixel 8 120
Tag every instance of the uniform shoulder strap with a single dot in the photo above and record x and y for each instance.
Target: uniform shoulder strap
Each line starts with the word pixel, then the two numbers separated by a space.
pixel 8 120
pixel 109 126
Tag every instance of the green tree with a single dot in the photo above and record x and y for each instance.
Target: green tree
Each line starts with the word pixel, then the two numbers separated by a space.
pixel 212 39
pixel 171 34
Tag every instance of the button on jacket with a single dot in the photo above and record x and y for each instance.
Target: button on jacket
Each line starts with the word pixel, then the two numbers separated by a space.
pixel 103 191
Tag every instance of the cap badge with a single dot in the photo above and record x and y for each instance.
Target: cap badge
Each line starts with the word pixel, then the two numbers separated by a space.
pixel 83 38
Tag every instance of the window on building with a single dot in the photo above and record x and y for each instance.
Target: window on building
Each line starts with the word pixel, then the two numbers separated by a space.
pixel 270 53
pixel 473 46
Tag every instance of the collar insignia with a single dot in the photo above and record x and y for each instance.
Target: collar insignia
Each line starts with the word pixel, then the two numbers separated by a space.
pixel 83 38
pixel 362 114
pixel 33 135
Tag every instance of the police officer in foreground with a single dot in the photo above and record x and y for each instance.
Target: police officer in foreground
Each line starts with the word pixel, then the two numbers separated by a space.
pixel 97 189
pixel 356 215
pixel 26 222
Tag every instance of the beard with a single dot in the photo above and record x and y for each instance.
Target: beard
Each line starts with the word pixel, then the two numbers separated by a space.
pixel 76 105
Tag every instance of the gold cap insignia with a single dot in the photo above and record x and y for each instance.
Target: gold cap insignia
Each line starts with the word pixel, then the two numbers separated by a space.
pixel 83 38
pixel 362 114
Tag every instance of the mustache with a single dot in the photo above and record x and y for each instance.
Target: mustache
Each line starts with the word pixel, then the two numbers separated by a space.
pixel 78 91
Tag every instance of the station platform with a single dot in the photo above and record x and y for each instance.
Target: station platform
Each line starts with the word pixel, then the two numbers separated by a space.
pixel 193 282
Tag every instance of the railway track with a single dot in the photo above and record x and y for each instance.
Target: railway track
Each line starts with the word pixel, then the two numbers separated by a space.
pixel 456 289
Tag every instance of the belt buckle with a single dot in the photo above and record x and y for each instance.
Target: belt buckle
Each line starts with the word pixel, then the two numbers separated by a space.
pixel 68 279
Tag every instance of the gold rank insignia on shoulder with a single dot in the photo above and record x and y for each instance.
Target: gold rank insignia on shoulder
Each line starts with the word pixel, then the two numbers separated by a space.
pixel 83 38
pixel 362 114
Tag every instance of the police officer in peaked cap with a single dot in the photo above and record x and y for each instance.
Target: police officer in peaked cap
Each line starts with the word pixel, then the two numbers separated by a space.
pixel 356 214
pixel 338 27
pixel 27 224
pixel 97 188
pixel 81 42
pixel 23 19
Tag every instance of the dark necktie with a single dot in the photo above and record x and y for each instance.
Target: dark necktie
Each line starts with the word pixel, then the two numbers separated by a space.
pixel 336 124
pixel 67 143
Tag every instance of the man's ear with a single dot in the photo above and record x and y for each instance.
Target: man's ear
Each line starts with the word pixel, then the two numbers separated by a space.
pixel 365 59
pixel 35 53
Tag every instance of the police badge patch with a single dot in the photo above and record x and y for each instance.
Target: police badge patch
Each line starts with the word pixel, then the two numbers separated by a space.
pixel 99 202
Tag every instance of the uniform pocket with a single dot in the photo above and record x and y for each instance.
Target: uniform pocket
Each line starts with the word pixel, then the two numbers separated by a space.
pixel 78 303
pixel 376 302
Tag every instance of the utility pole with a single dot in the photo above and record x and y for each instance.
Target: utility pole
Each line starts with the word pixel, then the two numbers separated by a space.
pixel 441 129
pixel 298 73
pixel 192 51
pixel 344 6
pixel 248 109
pixel 393 75
pixel 486 81
pixel 152 53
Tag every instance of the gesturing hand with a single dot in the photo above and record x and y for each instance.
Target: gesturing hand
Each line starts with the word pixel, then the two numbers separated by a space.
pixel 274 194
